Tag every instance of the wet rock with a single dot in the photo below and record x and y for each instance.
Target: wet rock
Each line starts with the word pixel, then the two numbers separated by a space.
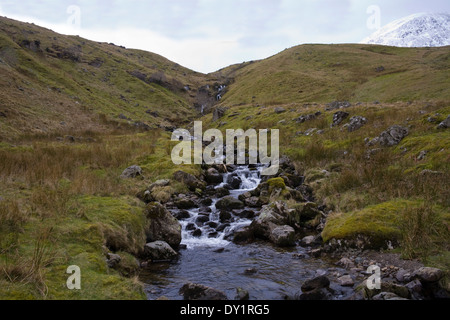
pixel 206 202
pixel 234 182
pixel 212 224
pixel 131 172
pixel 339 117
pixel 201 220
pixel 214 234
pixel 213 176
pixel 185 203
pixel 222 192
pixel 346 281
pixel 283 236
pixel 316 295
pixel 393 136
pixel 241 294
pixel 182 215
pixel 308 241
pixel 243 235
pixel 225 216
pixel 163 226
pixel 229 203
pixel 191 227
pixel 246 214
pixel 316 283
pixel 197 233
pixel 192 291
pixel 159 251
pixel 251 271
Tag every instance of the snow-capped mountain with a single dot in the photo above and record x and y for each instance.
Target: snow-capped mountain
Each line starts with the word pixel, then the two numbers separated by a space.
pixel 417 30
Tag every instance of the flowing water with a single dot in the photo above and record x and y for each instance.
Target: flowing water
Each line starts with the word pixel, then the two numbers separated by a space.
pixel 266 272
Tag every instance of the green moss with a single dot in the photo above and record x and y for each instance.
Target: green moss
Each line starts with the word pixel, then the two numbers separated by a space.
pixel 380 223
pixel 276 183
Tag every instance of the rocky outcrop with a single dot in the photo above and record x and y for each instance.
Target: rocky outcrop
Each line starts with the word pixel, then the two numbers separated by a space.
pixel 391 137
pixel 131 172
pixel 162 225
pixel 159 251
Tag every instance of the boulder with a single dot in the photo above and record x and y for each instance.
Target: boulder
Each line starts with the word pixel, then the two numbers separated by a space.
pixel 189 180
pixel 393 136
pixel 234 182
pixel 113 260
pixel 346 281
pixel 162 225
pixel 271 216
pixel 316 283
pixel 159 251
pixel 346 263
pixel 426 274
pixel 192 291
pixel 338 105
pixel 283 236
pixel 229 203
pixel 185 203
pixel 131 172
pixel 213 176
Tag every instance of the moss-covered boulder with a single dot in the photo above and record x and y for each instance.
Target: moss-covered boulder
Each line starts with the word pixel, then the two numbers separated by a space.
pixel 162 225
pixel 373 227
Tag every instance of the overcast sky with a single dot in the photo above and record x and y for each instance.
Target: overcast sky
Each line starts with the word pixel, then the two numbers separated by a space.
pixel 206 35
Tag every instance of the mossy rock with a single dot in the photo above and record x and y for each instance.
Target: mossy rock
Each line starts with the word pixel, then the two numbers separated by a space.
pixel 276 183
pixel 375 225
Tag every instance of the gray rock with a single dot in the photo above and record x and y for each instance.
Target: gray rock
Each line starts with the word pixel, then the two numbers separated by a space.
pixel 159 251
pixel 234 182
pixel 159 184
pixel 415 287
pixel 346 263
pixel 283 236
pixel 445 124
pixel 131 172
pixel 316 283
pixel 338 105
pixel 426 274
pixel 213 176
pixel 308 241
pixel 356 123
pixel 162 225
pixel 229 203
pixel 393 136
pixel 338 117
pixel 279 110
pixel 192 291
pixel 346 281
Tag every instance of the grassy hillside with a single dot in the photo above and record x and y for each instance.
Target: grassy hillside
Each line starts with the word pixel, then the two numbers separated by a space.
pixel 324 73
pixel 55 83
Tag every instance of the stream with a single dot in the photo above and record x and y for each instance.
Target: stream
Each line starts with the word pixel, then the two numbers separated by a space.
pixel 209 258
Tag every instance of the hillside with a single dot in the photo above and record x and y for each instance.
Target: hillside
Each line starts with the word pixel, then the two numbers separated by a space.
pixel 52 83
pixel 325 73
